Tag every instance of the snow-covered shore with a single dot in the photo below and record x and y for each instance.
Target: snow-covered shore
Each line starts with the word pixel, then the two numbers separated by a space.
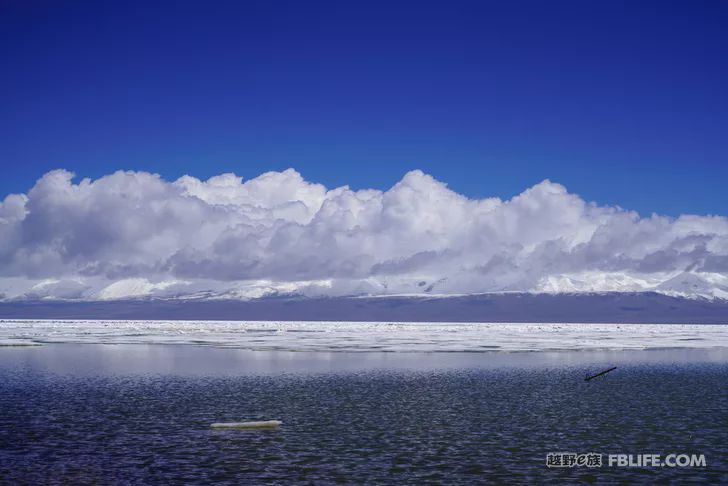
pixel 366 336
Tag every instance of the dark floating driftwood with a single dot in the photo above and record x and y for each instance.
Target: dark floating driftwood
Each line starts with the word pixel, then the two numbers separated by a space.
pixel 265 424
pixel 600 374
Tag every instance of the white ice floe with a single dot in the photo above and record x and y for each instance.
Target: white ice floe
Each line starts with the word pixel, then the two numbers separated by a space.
pixel 18 342
pixel 367 336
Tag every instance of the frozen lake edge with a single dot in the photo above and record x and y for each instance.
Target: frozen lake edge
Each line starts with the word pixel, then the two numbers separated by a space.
pixel 367 336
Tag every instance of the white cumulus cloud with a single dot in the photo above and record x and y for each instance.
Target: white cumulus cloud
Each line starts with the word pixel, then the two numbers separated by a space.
pixel 134 234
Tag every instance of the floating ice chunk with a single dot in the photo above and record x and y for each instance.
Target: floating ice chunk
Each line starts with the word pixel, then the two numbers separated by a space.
pixel 18 342
pixel 265 424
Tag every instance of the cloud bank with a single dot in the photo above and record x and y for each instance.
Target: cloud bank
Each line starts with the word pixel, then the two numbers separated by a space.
pixel 134 234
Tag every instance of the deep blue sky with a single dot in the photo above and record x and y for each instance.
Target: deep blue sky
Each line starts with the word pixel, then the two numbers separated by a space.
pixel 623 102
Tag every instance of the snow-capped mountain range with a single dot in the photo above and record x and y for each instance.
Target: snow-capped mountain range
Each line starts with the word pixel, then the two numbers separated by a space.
pixel 693 285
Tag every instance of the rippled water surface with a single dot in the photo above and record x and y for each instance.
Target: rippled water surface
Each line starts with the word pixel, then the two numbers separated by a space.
pixel 77 414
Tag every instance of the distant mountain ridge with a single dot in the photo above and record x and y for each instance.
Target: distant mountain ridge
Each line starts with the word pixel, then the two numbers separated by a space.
pixel 610 307
pixel 687 284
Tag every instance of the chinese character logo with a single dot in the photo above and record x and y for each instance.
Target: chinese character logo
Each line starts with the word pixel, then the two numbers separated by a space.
pixel 570 459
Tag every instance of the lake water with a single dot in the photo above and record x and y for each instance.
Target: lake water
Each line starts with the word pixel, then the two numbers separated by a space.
pixel 140 414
